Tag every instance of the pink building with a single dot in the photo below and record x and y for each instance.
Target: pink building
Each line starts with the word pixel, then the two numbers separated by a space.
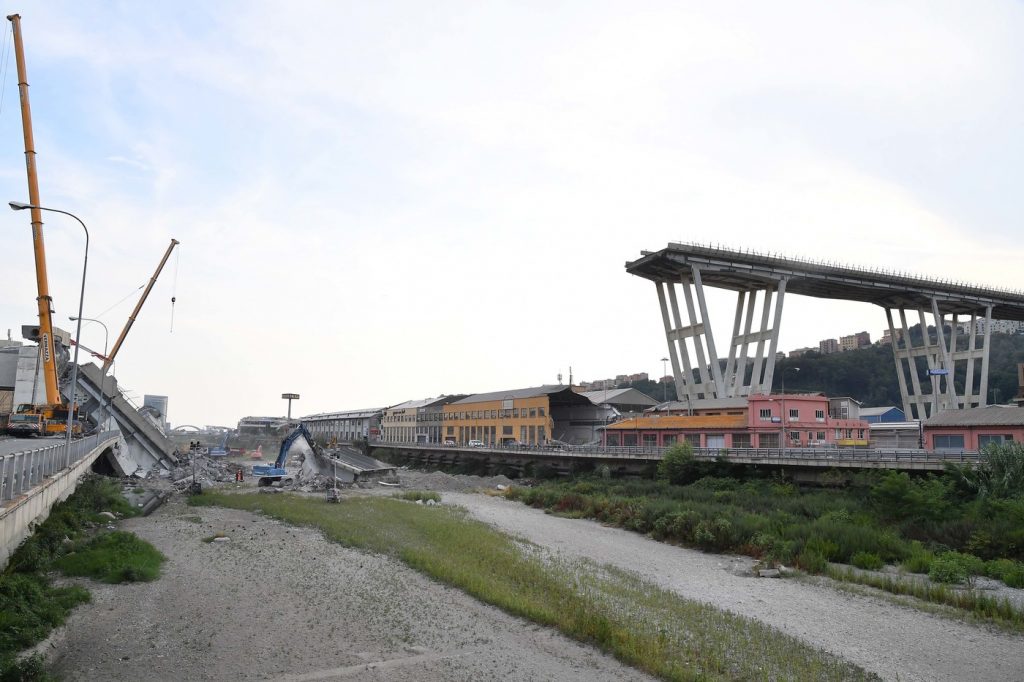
pixel 759 425
pixel 805 419
pixel 973 429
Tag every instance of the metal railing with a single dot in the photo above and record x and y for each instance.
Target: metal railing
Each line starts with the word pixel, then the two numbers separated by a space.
pixel 21 471
pixel 651 452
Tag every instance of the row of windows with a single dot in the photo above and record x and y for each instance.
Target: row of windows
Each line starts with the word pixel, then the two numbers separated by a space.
pixel 765 414
pixel 513 413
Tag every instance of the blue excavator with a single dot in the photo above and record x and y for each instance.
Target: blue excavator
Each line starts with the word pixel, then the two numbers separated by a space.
pixel 269 474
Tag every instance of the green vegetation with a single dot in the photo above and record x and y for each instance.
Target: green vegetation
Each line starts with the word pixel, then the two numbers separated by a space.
pixel 953 526
pixel 30 606
pixel 116 557
pixel 418 495
pixel 642 625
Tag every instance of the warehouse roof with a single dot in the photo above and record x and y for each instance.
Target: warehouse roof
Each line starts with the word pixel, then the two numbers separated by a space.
pixel 518 393
pixel 721 421
pixel 620 396
pixel 993 415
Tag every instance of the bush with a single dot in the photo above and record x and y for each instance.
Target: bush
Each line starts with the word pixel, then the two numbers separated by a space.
pixel 811 561
pixel 867 560
pixel 677 465
pixel 954 567
pixel 945 569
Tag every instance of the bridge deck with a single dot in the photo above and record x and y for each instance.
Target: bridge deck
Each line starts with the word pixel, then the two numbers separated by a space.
pixel 744 271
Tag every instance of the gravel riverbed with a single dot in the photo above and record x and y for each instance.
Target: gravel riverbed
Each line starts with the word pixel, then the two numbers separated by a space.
pixel 273 602
pixel 896 642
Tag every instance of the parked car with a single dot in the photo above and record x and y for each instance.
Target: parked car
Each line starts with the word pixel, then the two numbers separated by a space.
pixel 449 442
pixel 476 443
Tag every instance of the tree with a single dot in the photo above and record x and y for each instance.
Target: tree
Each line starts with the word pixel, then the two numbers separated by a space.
pixel 678 465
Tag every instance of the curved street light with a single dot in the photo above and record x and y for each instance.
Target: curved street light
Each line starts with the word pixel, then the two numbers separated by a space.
pixel 20 206
pixel 103 375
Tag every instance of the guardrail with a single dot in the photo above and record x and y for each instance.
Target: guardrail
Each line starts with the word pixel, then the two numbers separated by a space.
pixel 22 471
pixel 909 456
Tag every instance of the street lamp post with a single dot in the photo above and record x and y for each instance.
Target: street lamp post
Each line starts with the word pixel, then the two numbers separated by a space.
pixel 785 417
pixel 103 376
pixel 664 390
pixel 19 206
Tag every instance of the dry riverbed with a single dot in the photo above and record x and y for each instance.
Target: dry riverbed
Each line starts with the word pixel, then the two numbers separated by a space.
pixel 281 603
pixel 273 602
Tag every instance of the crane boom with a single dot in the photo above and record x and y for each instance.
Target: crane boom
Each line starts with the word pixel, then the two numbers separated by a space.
pixel 138 306
pixel 43 299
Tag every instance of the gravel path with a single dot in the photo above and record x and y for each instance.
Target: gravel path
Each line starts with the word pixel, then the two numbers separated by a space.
pixel 281 603
pixel 895 642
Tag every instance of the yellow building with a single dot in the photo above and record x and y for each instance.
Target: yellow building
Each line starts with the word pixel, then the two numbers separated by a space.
pixel 528 416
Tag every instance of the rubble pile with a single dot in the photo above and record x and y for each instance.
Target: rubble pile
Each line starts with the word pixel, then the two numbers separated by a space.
pixel 209 472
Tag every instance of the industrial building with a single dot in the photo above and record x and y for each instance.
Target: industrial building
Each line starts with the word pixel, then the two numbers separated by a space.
pixel 416 421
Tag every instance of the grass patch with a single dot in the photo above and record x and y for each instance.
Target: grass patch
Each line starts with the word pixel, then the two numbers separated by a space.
pixel 116 557
pixel 30 606
pixel 642 625
pixel 984 607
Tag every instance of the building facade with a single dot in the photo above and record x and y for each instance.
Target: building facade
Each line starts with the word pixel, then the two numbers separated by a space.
pixel 528 416
pixel 854 341
pixel 416 421
pixel 345 427
pixel 768 421
pixel 973 429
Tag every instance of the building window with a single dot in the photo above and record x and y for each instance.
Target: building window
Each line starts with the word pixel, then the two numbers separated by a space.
pixel 629 439
pixel 993 439
pixel 949 442
pixel 741 440
pixel 821 436
pixel 819 415
pixel 650 439
pixel 515 413
pixel 613 440
pixel 533 412
pixel 669 439
pixel 541 411
pixel 839 434
pixel 765 414
pixel 506 430
pixel 794 414
pixel 767 440
pixel 860 434
pixel 794 437
pixel 716 440
pixel 693 439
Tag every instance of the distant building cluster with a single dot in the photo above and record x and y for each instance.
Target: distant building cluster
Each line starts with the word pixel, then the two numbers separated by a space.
pixel 605 384
pixel 998 326
pixel 844 343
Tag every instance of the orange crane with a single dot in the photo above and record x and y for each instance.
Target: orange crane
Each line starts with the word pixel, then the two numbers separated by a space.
pixel 107 361
pixel 50 417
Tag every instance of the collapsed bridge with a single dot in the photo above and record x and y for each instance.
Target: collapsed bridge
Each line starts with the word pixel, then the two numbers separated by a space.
pixel 925 370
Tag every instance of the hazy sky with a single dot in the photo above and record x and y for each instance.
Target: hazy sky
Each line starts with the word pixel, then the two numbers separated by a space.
pixel 382 201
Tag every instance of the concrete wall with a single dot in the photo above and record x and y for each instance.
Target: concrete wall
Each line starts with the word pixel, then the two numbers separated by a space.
pixel 20 516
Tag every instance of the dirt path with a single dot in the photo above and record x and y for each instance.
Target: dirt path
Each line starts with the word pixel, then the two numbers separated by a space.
pixel 281 603
pixel 896 643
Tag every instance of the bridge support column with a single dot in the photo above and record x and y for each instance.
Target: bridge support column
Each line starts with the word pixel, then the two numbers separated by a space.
pixel 942 357
pixel 711 382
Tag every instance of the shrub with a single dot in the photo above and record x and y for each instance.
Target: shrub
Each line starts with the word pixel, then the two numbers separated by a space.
pixel 811 561
pixel 867 560
pixel 677 465
pixel 954 567
pixel 920 559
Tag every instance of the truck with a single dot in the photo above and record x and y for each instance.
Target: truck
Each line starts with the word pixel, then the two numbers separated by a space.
pixel 27 425
pixel 269 474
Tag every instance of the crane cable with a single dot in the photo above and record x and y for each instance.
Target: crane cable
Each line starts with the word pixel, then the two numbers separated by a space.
pixel 6 60
pixel 174 289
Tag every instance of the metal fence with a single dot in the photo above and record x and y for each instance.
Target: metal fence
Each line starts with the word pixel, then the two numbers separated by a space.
pixel 794 455
pixel 23 470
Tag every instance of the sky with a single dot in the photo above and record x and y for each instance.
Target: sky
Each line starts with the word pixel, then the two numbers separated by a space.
pixel 386 201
